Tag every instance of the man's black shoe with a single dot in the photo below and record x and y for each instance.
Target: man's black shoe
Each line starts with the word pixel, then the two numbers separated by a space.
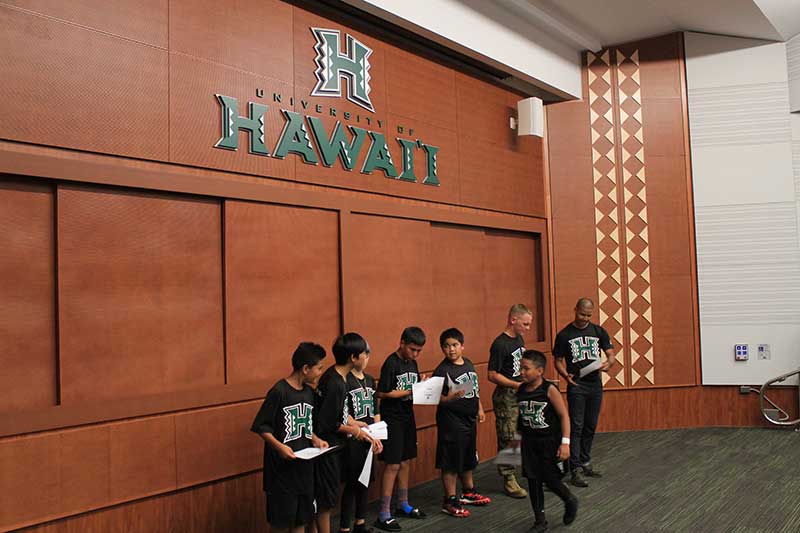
pixel 577 479
pixel 570 510
pixel 388 525
pixel 591 472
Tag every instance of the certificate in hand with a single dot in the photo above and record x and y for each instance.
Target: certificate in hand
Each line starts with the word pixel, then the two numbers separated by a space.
pixel 588 369
pixel 310 453
pixel 428 392
pixel 467 387
pixel 378 430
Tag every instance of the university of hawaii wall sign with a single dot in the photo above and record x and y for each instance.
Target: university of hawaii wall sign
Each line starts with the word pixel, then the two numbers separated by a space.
pixel 305 135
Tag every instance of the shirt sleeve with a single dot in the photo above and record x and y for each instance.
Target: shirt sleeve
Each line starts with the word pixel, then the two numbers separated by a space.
pixel 441 372
pixel 387 380
pixel 559 348
pixel 605 341
pixel 266 417
pixel 329 416
pixel 496 357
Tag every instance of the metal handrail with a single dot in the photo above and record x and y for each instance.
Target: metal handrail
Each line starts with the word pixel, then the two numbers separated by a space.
pixel 762 397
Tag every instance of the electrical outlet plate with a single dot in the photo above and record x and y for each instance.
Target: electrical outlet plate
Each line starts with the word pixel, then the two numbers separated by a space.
pixel 741 352
pixel 764 352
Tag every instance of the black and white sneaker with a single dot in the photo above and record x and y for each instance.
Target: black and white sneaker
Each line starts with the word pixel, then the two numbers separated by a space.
pixel 388 525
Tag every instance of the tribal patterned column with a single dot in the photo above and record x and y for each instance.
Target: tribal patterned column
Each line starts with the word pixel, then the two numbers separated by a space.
pixel 606 206
pixel 634 186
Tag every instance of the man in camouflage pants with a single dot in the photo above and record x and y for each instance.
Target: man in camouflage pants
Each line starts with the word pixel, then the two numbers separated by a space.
pixel 504 362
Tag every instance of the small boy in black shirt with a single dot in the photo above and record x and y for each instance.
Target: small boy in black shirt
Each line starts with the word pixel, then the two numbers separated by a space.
pixel 456 416
pixel 285 422
pixel 336 426
pixel 544 426
pixel 398 375
pixel 363 407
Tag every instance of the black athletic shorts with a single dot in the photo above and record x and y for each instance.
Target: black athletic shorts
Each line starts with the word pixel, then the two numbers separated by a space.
pixel 287 511
pixel 456 450
pixel 401 444
pixel 327 478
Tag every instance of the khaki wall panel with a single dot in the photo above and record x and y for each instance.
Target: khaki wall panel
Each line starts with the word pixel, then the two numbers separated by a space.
pixel 251 36
pixel 420 90
pixel 398 267
pixel 69 86
pixel 282 272
pixel 459 297
pixel 510 277
pixel 30 479
pixel 215 443
pixel 144 21
pixel 142 457
pixel 85 468
pixel 140 296
pixel 27 297
pixel 195 117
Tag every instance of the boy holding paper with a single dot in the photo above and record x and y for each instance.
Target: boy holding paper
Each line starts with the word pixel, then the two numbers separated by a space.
pixel 459 409
pixel 577 349
pixel 398 375
pixel 363 407
pixel 335 425
pixel 285 423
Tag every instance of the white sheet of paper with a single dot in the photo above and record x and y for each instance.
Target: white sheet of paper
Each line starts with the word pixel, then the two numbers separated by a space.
pixel 378 430
pixel 428 392
pixel 509 456
pixel 310 453
pixel 363 478
pixel 466 387
pixel 591 367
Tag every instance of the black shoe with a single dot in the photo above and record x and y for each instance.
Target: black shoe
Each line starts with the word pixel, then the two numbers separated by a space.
pixel 361 528
pixel 570 510
pixel 577 480
pixel 387 525
pixel 591 472
pixel 416 512
pixel 539 527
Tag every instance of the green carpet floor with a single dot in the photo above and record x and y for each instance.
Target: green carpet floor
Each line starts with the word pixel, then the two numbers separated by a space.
pixel 704 480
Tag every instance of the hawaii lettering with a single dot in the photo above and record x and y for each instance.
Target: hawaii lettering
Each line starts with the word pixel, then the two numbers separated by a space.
pixel 344 143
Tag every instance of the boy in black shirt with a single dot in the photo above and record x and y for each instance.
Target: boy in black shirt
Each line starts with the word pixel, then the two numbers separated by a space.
pixel 285 422
pixel 362 408
pixel 576 346
pixel 335 425
pixel 544 426
pixel 398 374
pixel 456 416
pixel 504 371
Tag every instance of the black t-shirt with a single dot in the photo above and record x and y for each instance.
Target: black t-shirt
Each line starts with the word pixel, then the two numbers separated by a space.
pixel 287 413
pixel 460 414
pixel 581 347
pixel 506 354
pixel 361 399
pixel 537 417
pixel 397 374
pixel 331 408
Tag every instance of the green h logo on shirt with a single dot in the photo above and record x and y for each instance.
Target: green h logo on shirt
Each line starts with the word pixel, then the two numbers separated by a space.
pixel 406 381
pixel 467 377
pixel 532 414
pixel 353 65
pixel 583 348
pixel 298 422
pixel 363 405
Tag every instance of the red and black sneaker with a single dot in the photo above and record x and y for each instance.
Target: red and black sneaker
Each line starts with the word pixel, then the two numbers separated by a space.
pixel 473 497
pixel 453 508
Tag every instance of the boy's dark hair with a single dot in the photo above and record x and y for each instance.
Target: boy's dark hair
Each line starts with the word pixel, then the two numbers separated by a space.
pixel 307 353
pixel 451 333
pixel 536 357
pixel 413 335
pixel 348 345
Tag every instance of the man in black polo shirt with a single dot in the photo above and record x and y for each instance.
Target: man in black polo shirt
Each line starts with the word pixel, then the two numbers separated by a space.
pixel 579 345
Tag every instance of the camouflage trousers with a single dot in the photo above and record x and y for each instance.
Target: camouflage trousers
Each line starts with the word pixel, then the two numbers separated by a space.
pixel 506 411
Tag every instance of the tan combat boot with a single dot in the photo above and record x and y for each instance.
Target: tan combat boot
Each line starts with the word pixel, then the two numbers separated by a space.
pixel 512 488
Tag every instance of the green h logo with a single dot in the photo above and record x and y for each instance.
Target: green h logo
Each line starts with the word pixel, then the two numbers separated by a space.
pixel 532 414
pixel 298 422
pixel 583 348
pixel 363 406
pixel 232 123
pixel 353 65
pixel 406 381
pixel 467 377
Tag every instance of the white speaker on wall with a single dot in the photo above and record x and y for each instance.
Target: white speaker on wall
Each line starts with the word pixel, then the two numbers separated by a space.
pixel 530 117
